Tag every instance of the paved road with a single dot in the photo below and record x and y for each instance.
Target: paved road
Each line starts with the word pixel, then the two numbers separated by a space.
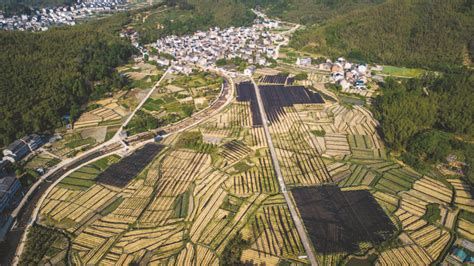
pixel 294 214
pixel 129 118
pixel 24 213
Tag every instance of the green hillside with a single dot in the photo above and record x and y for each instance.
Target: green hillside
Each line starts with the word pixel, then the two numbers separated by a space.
pixel 47 75
pixel 431 34
pixel 309 12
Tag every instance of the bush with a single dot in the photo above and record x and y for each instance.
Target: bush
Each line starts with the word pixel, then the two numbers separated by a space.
pixel 233 251
pixel 301 76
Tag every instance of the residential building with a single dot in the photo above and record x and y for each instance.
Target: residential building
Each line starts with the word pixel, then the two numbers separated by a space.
pixel 250 70
pixel 16 151
pixel 9 186
pixel 303 61
pixel 22 147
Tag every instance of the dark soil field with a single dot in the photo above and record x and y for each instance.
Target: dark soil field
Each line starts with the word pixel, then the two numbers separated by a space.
pixel 275 97
pixel 246 93
pixel 337 221
pixel 274 79
pixel 119 174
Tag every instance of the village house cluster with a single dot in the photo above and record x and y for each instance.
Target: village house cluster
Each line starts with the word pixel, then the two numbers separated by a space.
pixel 347 74
pixel 254 45
pixel 43 19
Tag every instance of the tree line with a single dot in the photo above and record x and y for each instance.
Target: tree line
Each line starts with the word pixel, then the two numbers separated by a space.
pixel 427 118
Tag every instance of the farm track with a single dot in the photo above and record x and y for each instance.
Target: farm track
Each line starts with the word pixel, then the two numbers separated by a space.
pixel 294 214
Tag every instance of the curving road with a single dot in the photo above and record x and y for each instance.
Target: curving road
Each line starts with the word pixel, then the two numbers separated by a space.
pixel 25 214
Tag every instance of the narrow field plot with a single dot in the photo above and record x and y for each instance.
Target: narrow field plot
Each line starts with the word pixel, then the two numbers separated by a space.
pixel 394 178
pixel 258 179
pixel 409 255
pixel 234 151
pixel 273 233
pixel 464 194
pixel 466 229
pixel 254 257
pixel 77 207
pixel 359 175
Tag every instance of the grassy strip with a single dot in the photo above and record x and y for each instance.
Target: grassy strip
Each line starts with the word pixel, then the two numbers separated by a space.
pixel 114 205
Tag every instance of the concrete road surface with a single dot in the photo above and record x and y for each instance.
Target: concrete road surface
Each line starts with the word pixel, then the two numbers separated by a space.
pixel 294 214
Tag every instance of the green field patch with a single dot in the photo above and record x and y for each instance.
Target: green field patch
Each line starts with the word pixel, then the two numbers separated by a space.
pixel 467 215
pixel 53 162
pixel 432 214
pixel 231 203
pixel 79 182
pixel 401 181
pixel 83 178
pixel 81 175
pixel 356 177
pixel 88 169
pixel 103 163
pixel 111 122
pixel 362 154
pixel 78 142
pixel 146 82
pixel 389 186
pixel 153 104
pixel 181 204
pixel 242 166
pixel 402 71
pixel 114 205
pixel 319 133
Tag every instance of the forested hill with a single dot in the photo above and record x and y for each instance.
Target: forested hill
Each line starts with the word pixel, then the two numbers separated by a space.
pixel 46 75
pixel 424 33
pixel 308 12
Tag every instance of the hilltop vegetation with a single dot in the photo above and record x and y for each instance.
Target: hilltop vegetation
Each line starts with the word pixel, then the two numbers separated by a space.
pixel 50 74
pixel 184 17
pixel 309 12
pixel 429 34
pixel 409 107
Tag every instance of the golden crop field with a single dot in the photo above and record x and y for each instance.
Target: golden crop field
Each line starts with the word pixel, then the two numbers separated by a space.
pixel 213 190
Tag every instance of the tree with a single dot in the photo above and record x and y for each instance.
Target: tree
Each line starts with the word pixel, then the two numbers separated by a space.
pixel 50 74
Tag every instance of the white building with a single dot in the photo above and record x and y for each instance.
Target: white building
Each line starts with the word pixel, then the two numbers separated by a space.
pixel 250 70
pixel 303 61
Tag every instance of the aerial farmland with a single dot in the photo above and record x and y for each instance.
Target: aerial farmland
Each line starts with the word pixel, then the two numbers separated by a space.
pixel 236 132
pixel 210 190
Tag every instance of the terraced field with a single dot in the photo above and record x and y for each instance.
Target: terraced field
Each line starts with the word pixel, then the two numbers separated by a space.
pixel 189 200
